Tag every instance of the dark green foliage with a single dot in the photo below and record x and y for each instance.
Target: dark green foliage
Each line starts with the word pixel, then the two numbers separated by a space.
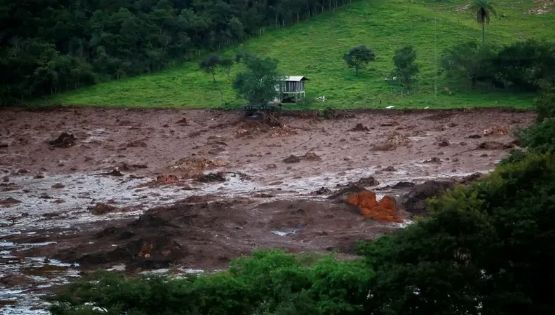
pixel 100 40
pixel 521 66
pixel 471 61
pixel 545 105
pixel 210 64
pixel 540 137
pixel 487 249
pixel 269 282
pixel 405 67
pixel 257 83
pixel 484 10
pixel 527 65
pixel 358 57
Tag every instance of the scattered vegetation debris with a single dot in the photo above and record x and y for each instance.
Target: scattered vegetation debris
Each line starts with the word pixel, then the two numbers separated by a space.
pixel 102 208
pixel 474 137
pixel 166 179
pixel 114 172
pixel 370 208
pixel 58 186
pixel 212 177
pixel 390 169
pixel 64 140
pixel 9 202
pixel 360 127
pixel 3 145
pixel 401 185
pixel 131 167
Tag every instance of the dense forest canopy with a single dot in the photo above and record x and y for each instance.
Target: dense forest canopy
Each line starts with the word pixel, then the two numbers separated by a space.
pixel 47 46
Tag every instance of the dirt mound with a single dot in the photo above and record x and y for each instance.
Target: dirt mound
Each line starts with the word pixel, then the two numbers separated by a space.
pixel 370 208
pixel 64 140
pixel 415 200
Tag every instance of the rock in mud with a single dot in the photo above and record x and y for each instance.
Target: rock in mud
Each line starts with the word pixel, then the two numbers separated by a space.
pixel 322 191
pixel 367 181
pixel 3 145
pixel 415 200
pixel 58 186
pixel 311 156
pixel 102 208
pixel 64 140
pixel 166 179
pixel 8 202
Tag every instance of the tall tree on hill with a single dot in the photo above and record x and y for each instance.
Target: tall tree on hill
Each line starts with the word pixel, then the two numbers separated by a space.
pixel 358 57
pixel 484 10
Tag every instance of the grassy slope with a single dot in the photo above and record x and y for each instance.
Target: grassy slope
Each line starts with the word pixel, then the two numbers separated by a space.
pixel 314 48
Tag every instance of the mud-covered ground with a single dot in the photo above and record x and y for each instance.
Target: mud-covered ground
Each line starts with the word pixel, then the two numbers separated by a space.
pixel 74 183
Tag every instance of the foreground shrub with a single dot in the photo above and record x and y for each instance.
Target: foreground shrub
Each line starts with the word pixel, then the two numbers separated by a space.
pixel 268 282
pixel 486 249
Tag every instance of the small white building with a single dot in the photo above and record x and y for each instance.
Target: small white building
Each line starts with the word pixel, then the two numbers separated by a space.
pixel 291 89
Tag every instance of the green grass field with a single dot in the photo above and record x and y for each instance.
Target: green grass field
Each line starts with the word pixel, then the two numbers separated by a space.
pixel 315 48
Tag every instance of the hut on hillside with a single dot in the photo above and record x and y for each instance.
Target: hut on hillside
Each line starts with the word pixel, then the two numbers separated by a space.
pixel 291 89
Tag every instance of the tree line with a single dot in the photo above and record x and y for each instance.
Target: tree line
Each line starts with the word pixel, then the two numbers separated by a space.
pixel 48 46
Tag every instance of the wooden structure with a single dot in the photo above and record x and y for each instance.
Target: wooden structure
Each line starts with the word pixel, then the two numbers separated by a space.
pixel 291 89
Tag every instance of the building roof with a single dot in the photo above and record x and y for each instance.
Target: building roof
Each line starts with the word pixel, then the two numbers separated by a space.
pixel 295 78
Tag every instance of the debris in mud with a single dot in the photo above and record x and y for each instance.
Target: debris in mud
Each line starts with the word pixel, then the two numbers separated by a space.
pixel 194 166
pixel 390 169
pixel 309 156
pixel 64 140
pixel 292 159
pixel 136 144
pixel 474 137
pixel 183 122
pixel 58 186
pixel 415 200
pixel 360 127
pixel 493 145
pixel 3 145
pixel 131 167
pixel 434 160
pixel 166 179
pixel 496 131
pixel 114 172
pixel 9 202
pixel 102 208
pixel 322 191
pixel 394 140
pixel 442 142
pixel 370 208
pixel 212 177
pixel 402 185
pixel 367 181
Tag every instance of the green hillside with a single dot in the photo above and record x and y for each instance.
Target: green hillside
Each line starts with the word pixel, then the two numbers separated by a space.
pixel 315 48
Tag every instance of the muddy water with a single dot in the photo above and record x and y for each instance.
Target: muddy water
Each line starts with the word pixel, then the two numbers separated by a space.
pixel 56 187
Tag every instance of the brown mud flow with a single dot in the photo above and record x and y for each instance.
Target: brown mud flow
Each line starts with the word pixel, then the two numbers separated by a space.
pixel 138 190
